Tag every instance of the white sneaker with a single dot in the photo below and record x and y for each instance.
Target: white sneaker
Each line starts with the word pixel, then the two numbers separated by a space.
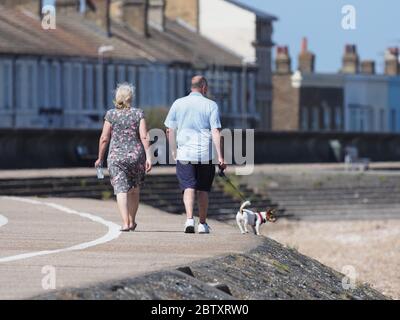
pixel 189 226
pixel 203 228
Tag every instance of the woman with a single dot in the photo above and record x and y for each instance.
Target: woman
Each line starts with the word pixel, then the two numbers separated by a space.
pixel 128 158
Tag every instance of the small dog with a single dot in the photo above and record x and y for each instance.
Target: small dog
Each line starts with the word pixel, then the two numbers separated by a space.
pixel 247 217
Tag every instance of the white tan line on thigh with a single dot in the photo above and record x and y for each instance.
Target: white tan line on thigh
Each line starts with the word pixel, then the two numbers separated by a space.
pixel 113 230
pixel 3 220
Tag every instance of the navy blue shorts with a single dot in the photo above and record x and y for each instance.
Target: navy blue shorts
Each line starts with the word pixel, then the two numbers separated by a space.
pixel 195 176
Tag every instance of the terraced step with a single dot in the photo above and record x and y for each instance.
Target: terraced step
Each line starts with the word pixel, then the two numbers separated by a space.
pixel 330 192
pixel 161 191
pixel 344 215
pixel 336 202
pixel 318 197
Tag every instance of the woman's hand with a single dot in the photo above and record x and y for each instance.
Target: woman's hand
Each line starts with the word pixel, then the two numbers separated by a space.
pixel 149 165
pixel 98 163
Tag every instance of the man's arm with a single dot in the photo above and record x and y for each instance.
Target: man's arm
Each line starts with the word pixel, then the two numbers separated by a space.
pixel 218 142
pixel 215 124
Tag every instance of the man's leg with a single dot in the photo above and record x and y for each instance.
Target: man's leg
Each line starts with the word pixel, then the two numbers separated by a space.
pixel 205 174
pixel 187 181
pixel 203 206
pixel 188 199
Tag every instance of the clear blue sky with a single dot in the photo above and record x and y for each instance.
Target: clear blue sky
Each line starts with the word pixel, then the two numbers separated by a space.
pixel 378 27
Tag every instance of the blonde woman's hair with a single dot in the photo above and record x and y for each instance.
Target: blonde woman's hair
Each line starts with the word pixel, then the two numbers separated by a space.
pixel 124 95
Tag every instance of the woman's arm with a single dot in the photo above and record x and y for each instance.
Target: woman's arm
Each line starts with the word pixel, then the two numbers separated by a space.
pixel 172 142
pixel 103 142
pixel 145 138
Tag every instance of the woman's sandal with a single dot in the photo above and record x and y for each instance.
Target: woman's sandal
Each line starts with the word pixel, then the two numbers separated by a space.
pixel 125 229
pixel 133 228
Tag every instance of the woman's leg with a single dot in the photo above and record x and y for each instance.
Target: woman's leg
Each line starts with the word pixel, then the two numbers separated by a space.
pixel 122 201
pixel 133 205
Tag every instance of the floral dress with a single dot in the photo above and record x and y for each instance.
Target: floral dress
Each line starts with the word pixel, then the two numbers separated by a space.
pixel 126 157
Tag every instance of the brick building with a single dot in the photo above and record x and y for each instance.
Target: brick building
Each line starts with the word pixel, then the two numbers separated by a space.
pixel 64 78
pixel 241 29
pixel 354 100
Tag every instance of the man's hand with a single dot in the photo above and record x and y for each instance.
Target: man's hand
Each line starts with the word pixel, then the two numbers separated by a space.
pixel 222 164
pixel 217 139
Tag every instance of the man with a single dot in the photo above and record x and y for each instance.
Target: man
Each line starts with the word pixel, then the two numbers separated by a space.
pixel 195 120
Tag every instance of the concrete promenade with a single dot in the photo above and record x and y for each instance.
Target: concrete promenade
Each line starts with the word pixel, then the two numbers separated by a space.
pixel 80 239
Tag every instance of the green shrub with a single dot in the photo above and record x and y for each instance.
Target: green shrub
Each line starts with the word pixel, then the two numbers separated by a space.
pixel 155 117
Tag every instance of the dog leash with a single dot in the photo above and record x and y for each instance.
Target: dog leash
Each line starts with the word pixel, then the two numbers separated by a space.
pixel 222 174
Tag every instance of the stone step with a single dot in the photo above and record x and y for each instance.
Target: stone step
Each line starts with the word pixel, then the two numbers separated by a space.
pixel 327 192
pixel 159 191
pixel 337 202
pixel 345 215
pixel 71 180
pixel 331 208
pixel 288 197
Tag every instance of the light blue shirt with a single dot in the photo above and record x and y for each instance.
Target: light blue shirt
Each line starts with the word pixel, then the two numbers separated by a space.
pixel 194 117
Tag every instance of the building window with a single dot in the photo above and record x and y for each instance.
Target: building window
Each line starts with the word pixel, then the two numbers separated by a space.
pixel 315 119
pixel 393 115
pixel 304 119
pixel 99 73
pixel 371 126
pixel 382 120
pixel 338 118
pixel 19 85
pixel 30 86
pixel 362 119
pixel 5 85
pixel 55 85
pixel 67 90
pixel 327 118
pixel 77 86
pixel 354 118
pixel 89 88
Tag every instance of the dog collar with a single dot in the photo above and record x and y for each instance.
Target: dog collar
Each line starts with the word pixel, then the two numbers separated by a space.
pixel 261 218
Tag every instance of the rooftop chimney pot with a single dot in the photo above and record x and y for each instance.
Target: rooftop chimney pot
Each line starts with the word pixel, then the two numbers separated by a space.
pixel 351 60
pixel 392 67
pixel 304 45
pixel 368 67
pixel 135 14
pixel 306 58
pixel 283 61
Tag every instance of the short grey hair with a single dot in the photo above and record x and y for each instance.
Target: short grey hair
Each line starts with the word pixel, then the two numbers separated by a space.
pixel 199 82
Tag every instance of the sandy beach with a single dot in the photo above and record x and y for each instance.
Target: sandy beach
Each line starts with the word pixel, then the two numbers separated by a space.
pixel 371 247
